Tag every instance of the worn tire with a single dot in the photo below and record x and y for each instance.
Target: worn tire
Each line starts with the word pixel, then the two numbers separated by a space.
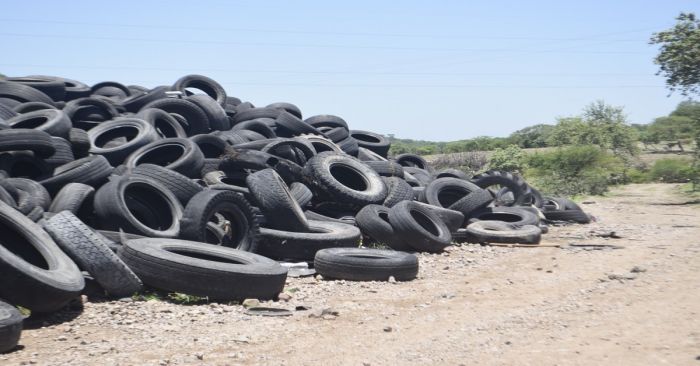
pixel 180 155
pixel 398 190
pixel 419 227
pixel 360 264
pixel 287 245
pixel 137 132
pixel 501 232
pixel 10 327
pixel 373 221
pixel 92 170
pixel 182 187
pixel 275 201
pixel 513 215
pixel 36 141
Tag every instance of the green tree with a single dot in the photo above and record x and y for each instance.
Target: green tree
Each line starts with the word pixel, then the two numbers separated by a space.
pixel 679 54
pixel 510 159
pixel 532 136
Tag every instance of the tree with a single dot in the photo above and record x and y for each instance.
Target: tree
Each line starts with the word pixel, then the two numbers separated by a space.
pixel 510 159
pixel 532 136
pixel 679 55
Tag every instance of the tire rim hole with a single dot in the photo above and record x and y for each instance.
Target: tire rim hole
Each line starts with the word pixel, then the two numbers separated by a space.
pixel 349 177
pixel 162 155
pixel 116 136
pixel 32 122
pixel 425 222
pixel 384 216
pixel 450 195
pixel 365 138
pixel 18 245
pixel 500 216
pixel 149 206
pixel 203 256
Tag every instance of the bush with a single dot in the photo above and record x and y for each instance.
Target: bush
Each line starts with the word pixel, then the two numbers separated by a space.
pixel 510 159
pixel 574 170
pixel 671 171
pixel 469 162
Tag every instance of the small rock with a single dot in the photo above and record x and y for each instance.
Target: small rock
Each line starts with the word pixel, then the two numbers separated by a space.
pixel 638 269
pixel 621 277
pixel 200 356
pixel 250 303
pixel 284 296
pixel 388 329
pixel 392 279
pixel 62 338
pixel 319 277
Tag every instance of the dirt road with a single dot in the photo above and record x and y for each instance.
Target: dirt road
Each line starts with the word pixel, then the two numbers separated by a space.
pixel 629 301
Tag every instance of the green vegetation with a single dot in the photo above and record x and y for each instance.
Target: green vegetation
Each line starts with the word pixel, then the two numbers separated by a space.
pixel 679 55
pixel 511 159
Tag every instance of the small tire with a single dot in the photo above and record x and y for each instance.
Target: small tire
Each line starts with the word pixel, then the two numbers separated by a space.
pixel 373 221
pixel 501 232
pixel 10 327
pixel 360 264
pixel 287 245
pixel 419 227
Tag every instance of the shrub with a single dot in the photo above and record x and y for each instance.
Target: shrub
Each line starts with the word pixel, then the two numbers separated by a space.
pixel 509 159
pixel 671 171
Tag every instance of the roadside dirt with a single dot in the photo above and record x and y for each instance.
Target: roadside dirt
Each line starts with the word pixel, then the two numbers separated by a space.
pixel 629 301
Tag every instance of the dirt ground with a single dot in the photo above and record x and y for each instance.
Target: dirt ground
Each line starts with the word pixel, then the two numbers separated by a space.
pixel 633 300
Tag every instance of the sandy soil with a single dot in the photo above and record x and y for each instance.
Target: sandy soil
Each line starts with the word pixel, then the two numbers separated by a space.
pixel 628 301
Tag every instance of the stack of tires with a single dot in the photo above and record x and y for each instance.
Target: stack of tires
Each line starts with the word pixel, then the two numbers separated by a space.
pixel 185 188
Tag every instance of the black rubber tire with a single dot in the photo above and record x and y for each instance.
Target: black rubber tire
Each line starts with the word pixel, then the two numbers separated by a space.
pixel 137 133
pixel 182 187
pixel 289 125
pixel 372 141
pixel 361 264
pixel 79 142
pixel 218 120
pixel 257 126
pixel 373 221
pixel 515 216
pixel 138 205
pixel 92 171
pixel 137 101
pixel 321 144
pixel 111 89
pixel 419 227
pixel 36 273
pixel 412 160
pixel 165 124
pixel 52 121
pixel 515 184
pixel 398 190
pixel 63 153
pixel 73 89
pixel 472 202
pixel 86 113
pixel 573 215
pixel 54 89
pixel 10 327
pixel 236 159
pixel 423 176
pixel 22 93
pixel 203 83
pixel 275 201
pixel 344 179
pixel 25 165
pixel 301 193
pixel 444 192
pixel 250 135
pixel 180 155
pixel 501 232
pixel 92 254
pixel 454 220
pixel 349 146
pixel 369 155
pixel 289 107
pixel 254 113
pixel 287 245
pixel 295 149
pixel 74 197
pixel 451 173
pixel 38 194
pixel 192 268
pixel 196 121
pixel 335 134
pixel 213 147
pixel 326 120
pixel 233 207
pixel 315 216
pixel 5 114
pixel 36 141
pixel 386 168
pixel 31 107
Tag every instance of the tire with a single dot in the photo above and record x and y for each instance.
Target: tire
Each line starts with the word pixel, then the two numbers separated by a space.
pixel 515 184
pixel 451 173
pixel 35 272
pixel 52 121
pixel 165 124
pixel 136 102
pixel 472 202
pixel 454 220
pixel 514 216
pixel 501 232
pixel 54 89
pixel 301 193
pixel 326 120
pixel 349 146
pixel 257 126
pixel 576 216
pixel 398 190
pixel 196 121
pixel 372 141
pixel 25 165
pixel 413 161
pixel 199 269
pixel 203 83
pixel 138 205
pixel 236 159
pixel 336 134
pixel 31 107
pixel 444 192
pixel 344 179
pixel 73 89
pixel 288 107
pixel 79 142
pixel 373 221
pixel 5 114
pixel 244 229
pixel 297 150
pixel 87 113
pixel 419 227
pixel 22 93
pixel 360 264
pixel 182 187
pixel 288 125
pixel 39 195
pixel 10 327
pixel 63 153
pixel 423 176
pixel 92 254
pixel 287 245
pixel 275 201
pixel 180 155
pixel 315 216
pixel 218 120
pixel 111 89
pixel 137 133
pixel 92 171
pixel 386 168
pixel 254 113
pixel 75 198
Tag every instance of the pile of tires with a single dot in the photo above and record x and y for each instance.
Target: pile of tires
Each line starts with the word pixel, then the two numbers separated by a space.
pixel 184 188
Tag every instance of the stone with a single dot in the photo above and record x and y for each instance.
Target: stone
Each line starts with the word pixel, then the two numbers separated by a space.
pixel 250 303
pixel 284 296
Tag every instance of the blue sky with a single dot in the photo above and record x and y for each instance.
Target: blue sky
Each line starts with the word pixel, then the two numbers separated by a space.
pixel 439 70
